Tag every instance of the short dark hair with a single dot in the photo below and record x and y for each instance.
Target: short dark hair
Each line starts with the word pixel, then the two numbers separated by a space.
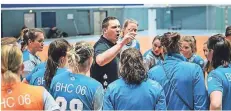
pixel 221 48
pixel 228 31
pixel 132 69
pixel 106 21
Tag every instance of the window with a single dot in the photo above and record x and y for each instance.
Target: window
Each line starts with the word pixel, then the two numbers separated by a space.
pixel 48 19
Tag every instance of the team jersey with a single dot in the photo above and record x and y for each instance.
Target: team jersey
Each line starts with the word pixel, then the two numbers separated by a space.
pixel 151 60
pixel 133 44
pixel 77 92
pixel 149 95
pixel 38 67
pixel 29 61
pixel 37 78
pixel 21 96
pixel 196 59
pixel 220 80
pixel 183 83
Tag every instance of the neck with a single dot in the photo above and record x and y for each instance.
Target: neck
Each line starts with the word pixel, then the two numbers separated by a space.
pixel 31 51
pixel 228 38
pixel 225 64
pixel 106 37
pixel 12 80
pixel 83 71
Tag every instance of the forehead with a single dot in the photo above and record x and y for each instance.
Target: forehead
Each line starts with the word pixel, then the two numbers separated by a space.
pixel 157 41
pixel 131 24
pixel 184 43
pixel 114 22
pixel 40 35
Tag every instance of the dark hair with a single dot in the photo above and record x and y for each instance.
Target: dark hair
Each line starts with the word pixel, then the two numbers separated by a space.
pixel 228 31
pixel 30 34
pixel 221 50
pixel 132 69
pixel 57 49
pixel 79 54
pixel 170 41
pixel 106 21
pixel 159 37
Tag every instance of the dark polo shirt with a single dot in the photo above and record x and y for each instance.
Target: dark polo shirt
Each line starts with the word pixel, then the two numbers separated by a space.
pixel 109 72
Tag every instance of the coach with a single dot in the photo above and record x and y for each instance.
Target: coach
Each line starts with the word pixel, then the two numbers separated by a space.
pixel 106 52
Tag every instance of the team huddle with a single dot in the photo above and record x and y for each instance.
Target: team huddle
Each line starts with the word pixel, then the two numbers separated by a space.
pixel 169 76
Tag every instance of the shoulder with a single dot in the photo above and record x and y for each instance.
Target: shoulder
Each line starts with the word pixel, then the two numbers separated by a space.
pixel 198 59
pixel 39 73
pixel 99 42
pixel 90 80
pixel 26 55
pixel 36 90
pixel 190 65
pixel 58 77
pixel 215 73
pixel 115 84
pixel 157 69
pixel 154 84
pixel 42 65
pixel 191 68
pixel 148 52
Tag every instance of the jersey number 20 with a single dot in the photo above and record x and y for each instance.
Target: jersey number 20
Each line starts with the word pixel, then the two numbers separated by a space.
pixel 73 102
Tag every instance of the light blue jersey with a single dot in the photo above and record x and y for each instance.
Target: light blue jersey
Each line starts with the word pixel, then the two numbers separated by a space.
pixel 197 59
pixel 77 92
pixel 38 67
pixel 220 80
pixel 151 60
pixel 149 95
pixel 183 83
pixel 29 61
pixel 133 44
pixel 37 78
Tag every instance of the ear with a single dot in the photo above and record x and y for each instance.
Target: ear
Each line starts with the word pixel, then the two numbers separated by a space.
pixel 29 41
pixel 104 30
pixel 62 59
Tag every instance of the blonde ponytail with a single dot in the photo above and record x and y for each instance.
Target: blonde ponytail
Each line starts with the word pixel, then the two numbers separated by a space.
pixel 11 61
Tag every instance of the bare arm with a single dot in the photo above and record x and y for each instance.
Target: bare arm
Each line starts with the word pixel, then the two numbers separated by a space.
pixel 107 56
pixel 216 100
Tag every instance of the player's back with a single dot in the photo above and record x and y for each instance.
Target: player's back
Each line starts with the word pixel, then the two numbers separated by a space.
pixel 21 96
pixel 146 96
pixel 37 68
pixel 76 91
pixel 37 78
pixel 183 83
pixel 220 80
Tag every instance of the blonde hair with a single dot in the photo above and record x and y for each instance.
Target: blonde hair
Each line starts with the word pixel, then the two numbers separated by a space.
pixel 11 59
pixel 125 25
pixel 78 56
pixel 8 40
pixel 192 42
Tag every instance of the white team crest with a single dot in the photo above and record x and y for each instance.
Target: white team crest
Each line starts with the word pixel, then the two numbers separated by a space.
pixel 209 79
pixel 201 62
